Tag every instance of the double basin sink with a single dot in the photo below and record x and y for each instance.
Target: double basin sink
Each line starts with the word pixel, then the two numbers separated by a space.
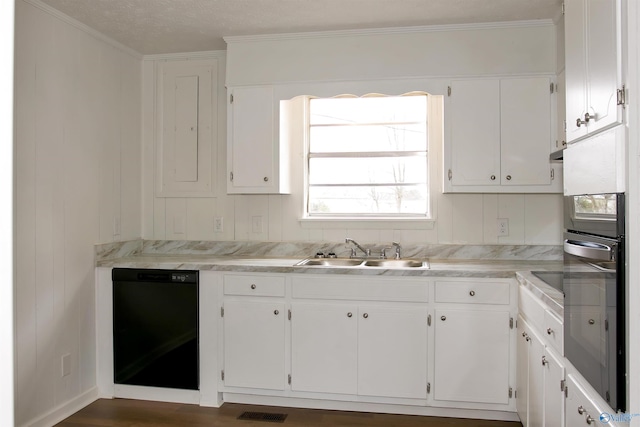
pixel 364 263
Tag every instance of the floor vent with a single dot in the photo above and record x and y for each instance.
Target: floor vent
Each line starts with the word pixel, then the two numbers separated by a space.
pixel 263 416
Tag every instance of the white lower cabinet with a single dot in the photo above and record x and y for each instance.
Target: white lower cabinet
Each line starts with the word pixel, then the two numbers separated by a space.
pixel 540 390
pixel 472 356
pixel 324 349
pixel 254 344
pixel 368 350
pixel 392 351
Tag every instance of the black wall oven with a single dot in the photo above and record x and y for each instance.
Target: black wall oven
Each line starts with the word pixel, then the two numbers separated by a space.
pixel 594 288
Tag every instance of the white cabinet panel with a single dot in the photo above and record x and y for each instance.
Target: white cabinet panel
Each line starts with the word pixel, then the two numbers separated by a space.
pixel 475 132
pixel 500 137
pixel 324 349
pixel 593 66
pixel 257 161
pixel 187 118
pixel 553 391
pixel 481 375
pixel 523 344
pixel 392 351
pixel 525 131
pixel 254 344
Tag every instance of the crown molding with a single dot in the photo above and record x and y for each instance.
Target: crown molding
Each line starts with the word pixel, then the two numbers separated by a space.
pixel 388 31
pixel 209 54
pixel 82 27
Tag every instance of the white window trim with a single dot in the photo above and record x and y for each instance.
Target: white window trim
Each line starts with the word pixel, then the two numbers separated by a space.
pixel 407 222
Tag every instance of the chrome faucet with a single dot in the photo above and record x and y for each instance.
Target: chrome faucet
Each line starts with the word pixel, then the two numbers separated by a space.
pixel 383 253
pixel 367 252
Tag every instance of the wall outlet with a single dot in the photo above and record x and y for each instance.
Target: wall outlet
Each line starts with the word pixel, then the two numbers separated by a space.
pixel 503 227
pixel 66 365
pixel 218 224
pixel 256 224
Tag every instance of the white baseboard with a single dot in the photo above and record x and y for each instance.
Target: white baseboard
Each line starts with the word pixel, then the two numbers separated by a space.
pixel 64 410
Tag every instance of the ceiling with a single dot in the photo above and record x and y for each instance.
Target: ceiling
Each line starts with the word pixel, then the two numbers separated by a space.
pixel 172 26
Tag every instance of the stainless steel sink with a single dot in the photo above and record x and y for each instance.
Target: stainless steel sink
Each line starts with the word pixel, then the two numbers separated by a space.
pixel 363 263
pixel 329 262
pixel 397 263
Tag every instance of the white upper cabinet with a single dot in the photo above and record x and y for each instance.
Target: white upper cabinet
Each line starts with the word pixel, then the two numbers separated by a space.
pixel 256 161
pixel 594 90
pixel 187 128
pixel 500 137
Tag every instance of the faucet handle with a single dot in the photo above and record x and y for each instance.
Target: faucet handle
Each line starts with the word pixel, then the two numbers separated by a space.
pixel 398 249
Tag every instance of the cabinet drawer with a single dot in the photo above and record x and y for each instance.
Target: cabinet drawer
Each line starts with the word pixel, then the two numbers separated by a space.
pixel 268 286
pixel 553 331
pixel 363 289
pixel 530 307
pixel 473 292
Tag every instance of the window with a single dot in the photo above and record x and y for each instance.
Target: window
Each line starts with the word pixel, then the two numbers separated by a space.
pixel 367 157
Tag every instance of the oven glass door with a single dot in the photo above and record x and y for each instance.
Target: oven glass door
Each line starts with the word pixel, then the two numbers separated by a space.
pixel 590 285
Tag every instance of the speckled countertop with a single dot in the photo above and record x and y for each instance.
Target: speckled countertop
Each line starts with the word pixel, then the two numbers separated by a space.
pixel 481 261
pixel 438 268
pixel 549 295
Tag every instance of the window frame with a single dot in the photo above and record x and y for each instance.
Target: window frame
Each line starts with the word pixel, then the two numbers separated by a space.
pixel 410 220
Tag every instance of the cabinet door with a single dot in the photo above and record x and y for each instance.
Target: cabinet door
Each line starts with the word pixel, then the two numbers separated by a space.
pixel 536 381
pixel 481 375
pixel 251 148
pixel 603 63
pixel 525 136
pixel 324 348
pixel 575 67
pixel 553 393
pixel 392 352
pixel 522 372
pixel 475 132
pixel 254 347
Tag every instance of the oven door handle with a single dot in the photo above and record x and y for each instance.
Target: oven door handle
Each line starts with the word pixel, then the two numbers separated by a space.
pixel 589 250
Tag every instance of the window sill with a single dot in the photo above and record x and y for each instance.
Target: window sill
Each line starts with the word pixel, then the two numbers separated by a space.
pixel 383 223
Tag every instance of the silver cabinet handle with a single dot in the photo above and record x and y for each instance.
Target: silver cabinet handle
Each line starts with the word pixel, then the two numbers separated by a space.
pixel 508 177
pixel 443 318
pixel 253 286
pixel 592 322
pixel 266 178
pixel 580 410
pixel 590 419
pixel 472 293
pixel 365 315
pixel 549 331
pixel 349 314
pixel 587 117
pixel 544 361
pixel 276 312
pixel 493 177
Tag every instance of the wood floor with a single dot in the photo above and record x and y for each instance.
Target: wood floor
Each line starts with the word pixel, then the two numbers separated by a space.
pixel 138 413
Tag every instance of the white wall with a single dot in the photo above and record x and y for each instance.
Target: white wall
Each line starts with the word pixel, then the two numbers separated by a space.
pixel 77 176
pixel 389 62
pixel 6 214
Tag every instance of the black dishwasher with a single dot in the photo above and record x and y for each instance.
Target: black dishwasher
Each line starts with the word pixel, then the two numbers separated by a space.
pixel 155 328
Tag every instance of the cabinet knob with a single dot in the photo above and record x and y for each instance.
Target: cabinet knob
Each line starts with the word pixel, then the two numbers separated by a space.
pixel 508 177
pixel 580 410
pixel 589 419
pixel 493 177
pixel 544 361
pixel 443 318
pixel 592 322
pixel 587 117
pixel 472 293
pixel 349 314
pixel 549 331
pixel 366 315
pixel 276 312
pixel 253 286
pixel 266 178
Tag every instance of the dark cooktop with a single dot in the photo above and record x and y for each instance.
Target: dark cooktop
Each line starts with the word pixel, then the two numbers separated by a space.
pixel 551 278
